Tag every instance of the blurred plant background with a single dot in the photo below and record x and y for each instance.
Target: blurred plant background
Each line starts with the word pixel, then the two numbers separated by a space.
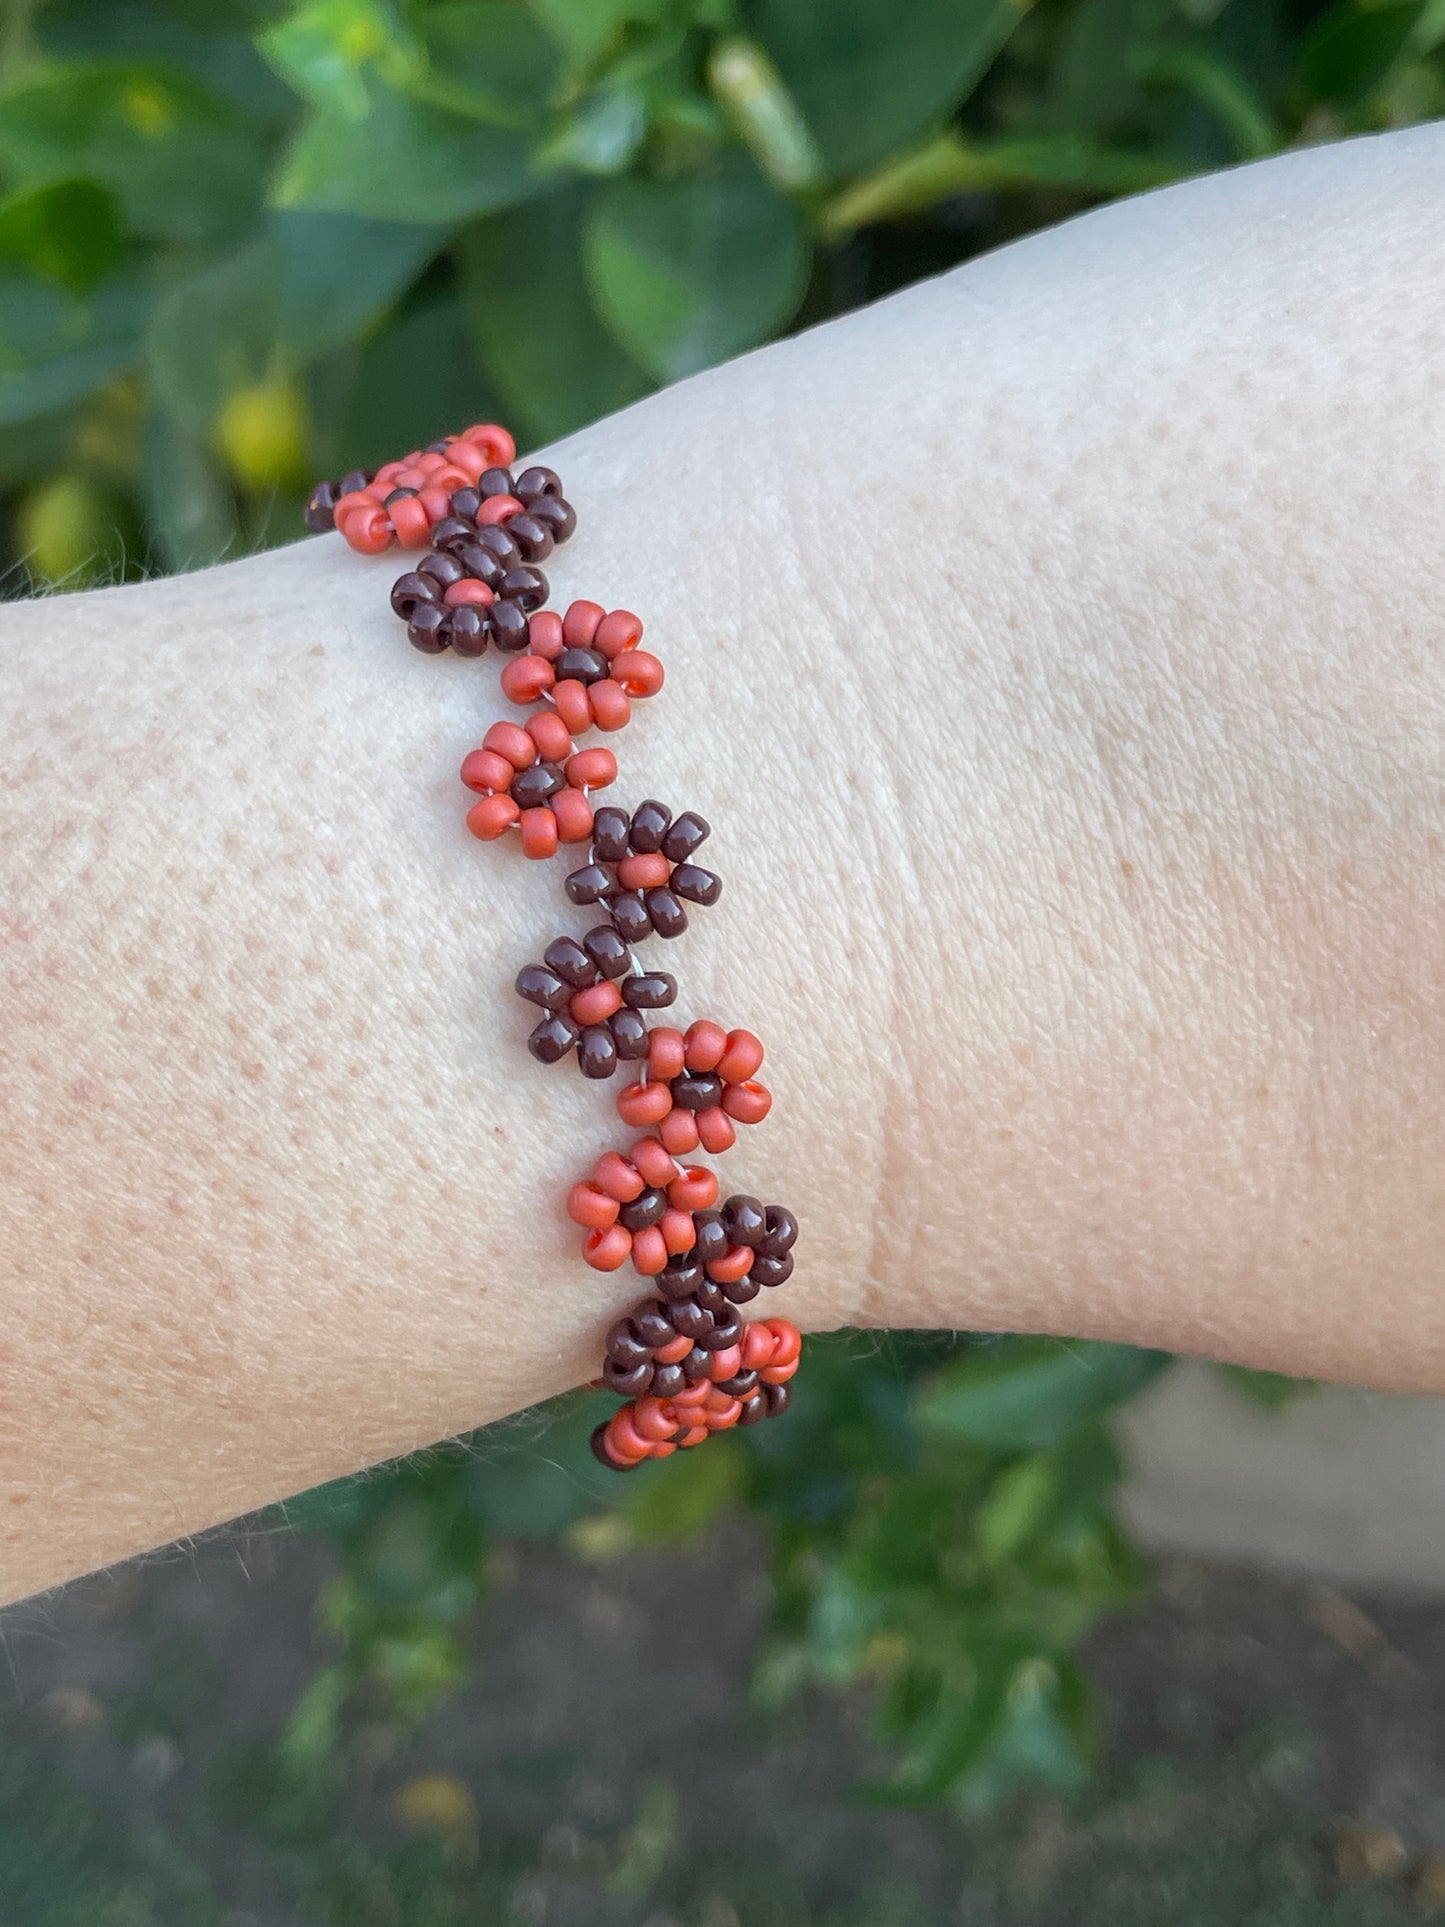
pixel 243 244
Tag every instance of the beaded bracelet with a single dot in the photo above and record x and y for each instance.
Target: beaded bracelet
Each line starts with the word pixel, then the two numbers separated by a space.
pixel 683 1359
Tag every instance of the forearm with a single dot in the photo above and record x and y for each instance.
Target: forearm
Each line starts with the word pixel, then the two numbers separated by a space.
pixel 1054 650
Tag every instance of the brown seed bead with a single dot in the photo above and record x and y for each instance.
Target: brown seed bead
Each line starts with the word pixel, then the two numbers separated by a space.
pixel 464 505
pixel 581 665
pixel 629 1034
pixel 669 919
pixel 536 481
pixel 689 1320
pixel 609 834
pixel 693 1093
pixel 496 541
pixel 570 961
pixel 597 1052
pixel 725 1332
pixel 470 630
pixel 539 985
pixel 629 1380
pixel 550 1042
pixel 558 514
pixel 442 569
pixel 742 1291
pixel 772 1271
pixel 743 1220
pixel 680 1278
pixel 712 1240
pixel 533 787
pixel 597 1439
pixel 649 990
pixel 494 481
pixel 509 627
pixel 430 628
pixel 777 1398
pixel 649 826
pixel 623 1344
pixel 452 533
pixel 320 510
pixel 605 947
pixel 398 495
pixel 710 1297
pixel 754 1409
pixel 652 1324
pixel 697 1364
pixel 686 836
pixel 668 1381
pixel 629 915
pixel 410 591
pixel 645 1209
pixel 697 885
pixel 525 586
pixel 781 1232
pixel 588 885
pixel 480 563
pixel 741 1385
pixel 532 536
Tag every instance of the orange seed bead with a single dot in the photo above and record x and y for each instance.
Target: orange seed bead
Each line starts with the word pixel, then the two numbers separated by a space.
pixel 644 1104
pixel 492 441
pixel 544 634
pixel 695 1190
pixel 679 1233
pixel 609 705
pixel 673 1352
pixel 596 1003
pixel 591 1207
pixel 498 508
pixel 592 769
pixel 411 522
pixel 539 833
pixel 648 872
pixel 608 1249
pixel 715 1130
pixel 619 1179
pixel 747 1103
pixel 665 1058
pixel 679 1132
pixel 618 630
pixel 726 1363
pixel 525 678
pixel 649 1250
pixel 492 817
pixel 651 1420
pixel 705 1043
pixel 736 1262
pixel 638 672
pixel 486 772
pixel 741 1059
pixel 548 731
pixel 579 625
pixel 467 590
pixel 513 742
pixel 655 1164
pixel 570 701
pixel 574 816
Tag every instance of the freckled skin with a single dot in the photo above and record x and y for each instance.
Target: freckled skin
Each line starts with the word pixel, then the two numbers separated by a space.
pixel 1056 650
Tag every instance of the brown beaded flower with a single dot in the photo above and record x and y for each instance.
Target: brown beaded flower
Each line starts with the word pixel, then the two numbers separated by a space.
pixel 586 664
pixel 641 869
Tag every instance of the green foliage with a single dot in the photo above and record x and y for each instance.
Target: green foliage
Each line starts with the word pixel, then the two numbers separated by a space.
pixel 568 201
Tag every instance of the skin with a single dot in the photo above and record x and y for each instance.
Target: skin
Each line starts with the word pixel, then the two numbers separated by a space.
pixel 1055 651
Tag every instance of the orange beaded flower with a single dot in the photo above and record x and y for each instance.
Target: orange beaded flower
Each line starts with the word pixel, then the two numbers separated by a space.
pixel 699 1084
pixel 405 500
pixel 535 780
pixel 586 664
pixel 759 1366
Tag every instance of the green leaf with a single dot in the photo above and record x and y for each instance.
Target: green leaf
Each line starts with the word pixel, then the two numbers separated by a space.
pixel 213 333
pixel 676 1499
pixel 764 115
pixel 66 233
pixel 1018 1503
pixel 190 521
pixel 688 272
pixel 602 135
pixel 338 273
pixel 1032 1392
pixel 417 379
pixel 584 28
pixel 1270 1390
pixel 407 161
pixel 554 363
pixel 181 163
pixel 1353 49
pixel 870 77
pixel 489 59
pixel 1220 88
pixel 324 49
pixel 951 165
pixel 56 349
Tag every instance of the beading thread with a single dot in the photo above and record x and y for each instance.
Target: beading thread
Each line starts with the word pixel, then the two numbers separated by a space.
pixel 683 1359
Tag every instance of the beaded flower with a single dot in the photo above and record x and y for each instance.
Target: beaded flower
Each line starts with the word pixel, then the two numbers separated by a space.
pixel 535 780
pixel 698 1086
pixel 586 664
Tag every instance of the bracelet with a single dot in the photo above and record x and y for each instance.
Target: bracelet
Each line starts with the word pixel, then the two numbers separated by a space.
pixel 683 1359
